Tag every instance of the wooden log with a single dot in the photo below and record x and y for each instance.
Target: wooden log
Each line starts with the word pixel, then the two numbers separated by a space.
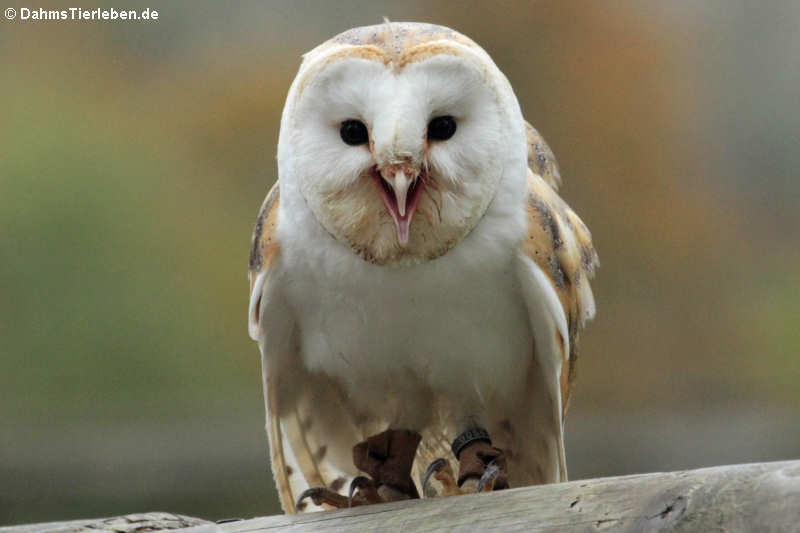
pixel 132 523
pixel 753 497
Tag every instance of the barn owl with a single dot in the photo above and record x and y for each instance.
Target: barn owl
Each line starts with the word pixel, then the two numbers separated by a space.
pixel 417 286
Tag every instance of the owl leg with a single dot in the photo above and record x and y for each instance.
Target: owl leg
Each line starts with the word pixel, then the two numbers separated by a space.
pixel 387 457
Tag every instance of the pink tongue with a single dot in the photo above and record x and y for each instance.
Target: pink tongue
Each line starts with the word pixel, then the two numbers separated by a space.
pixel 402 227
pixel 401 224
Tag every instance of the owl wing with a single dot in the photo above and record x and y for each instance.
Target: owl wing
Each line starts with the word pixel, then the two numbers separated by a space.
pixel 555 262
pixel 309 424
pixel 560 245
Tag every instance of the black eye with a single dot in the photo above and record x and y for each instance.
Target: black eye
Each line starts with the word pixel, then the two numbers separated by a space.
pixel 441 128
pixel 354 132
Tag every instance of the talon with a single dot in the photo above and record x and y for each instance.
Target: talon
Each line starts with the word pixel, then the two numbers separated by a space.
pixel 362 492
pixel 486 483
pixel 322 496
pixel 357 483
pixel 435 467
pixel 312 493
pixel 441 470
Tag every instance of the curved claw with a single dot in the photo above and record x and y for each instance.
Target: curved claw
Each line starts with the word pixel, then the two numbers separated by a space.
pixel 358 482
pixel 486 483
pixel 312 493
pixel 321 496
pixel 436 466
pixel 363 491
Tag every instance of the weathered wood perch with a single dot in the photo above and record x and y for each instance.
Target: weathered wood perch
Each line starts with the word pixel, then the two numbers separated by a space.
pixel 760 497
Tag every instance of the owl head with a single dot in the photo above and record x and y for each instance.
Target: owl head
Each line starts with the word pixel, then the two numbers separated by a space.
pixel 398 137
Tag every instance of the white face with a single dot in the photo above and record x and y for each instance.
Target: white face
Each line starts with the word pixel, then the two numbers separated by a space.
pixel 400 164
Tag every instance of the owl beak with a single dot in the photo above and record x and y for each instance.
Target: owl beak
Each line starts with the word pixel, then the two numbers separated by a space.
pixel 400 185
pixel 400 189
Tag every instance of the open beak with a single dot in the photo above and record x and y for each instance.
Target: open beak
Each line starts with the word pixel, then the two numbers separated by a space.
pixel 400 190
pixel 400 185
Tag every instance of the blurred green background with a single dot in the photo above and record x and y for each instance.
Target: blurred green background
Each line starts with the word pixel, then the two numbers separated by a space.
pixel 134 156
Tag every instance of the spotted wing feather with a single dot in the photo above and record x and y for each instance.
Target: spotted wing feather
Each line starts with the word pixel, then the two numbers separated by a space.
pixel 541 159
pixel 556 260
pixel 560 244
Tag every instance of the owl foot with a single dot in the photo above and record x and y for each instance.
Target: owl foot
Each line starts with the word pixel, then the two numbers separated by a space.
pixel 387 457
pixel 482 467
pixel 362 492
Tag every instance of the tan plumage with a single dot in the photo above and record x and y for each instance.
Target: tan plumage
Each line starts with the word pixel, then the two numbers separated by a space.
pixel 561 244
pixel 265 246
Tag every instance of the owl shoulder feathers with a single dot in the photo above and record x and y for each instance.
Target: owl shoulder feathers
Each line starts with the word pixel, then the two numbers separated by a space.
pixel 265 245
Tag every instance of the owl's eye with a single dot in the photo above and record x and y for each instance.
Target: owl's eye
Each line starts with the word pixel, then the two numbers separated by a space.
pixel 354 132
pixel 441 128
